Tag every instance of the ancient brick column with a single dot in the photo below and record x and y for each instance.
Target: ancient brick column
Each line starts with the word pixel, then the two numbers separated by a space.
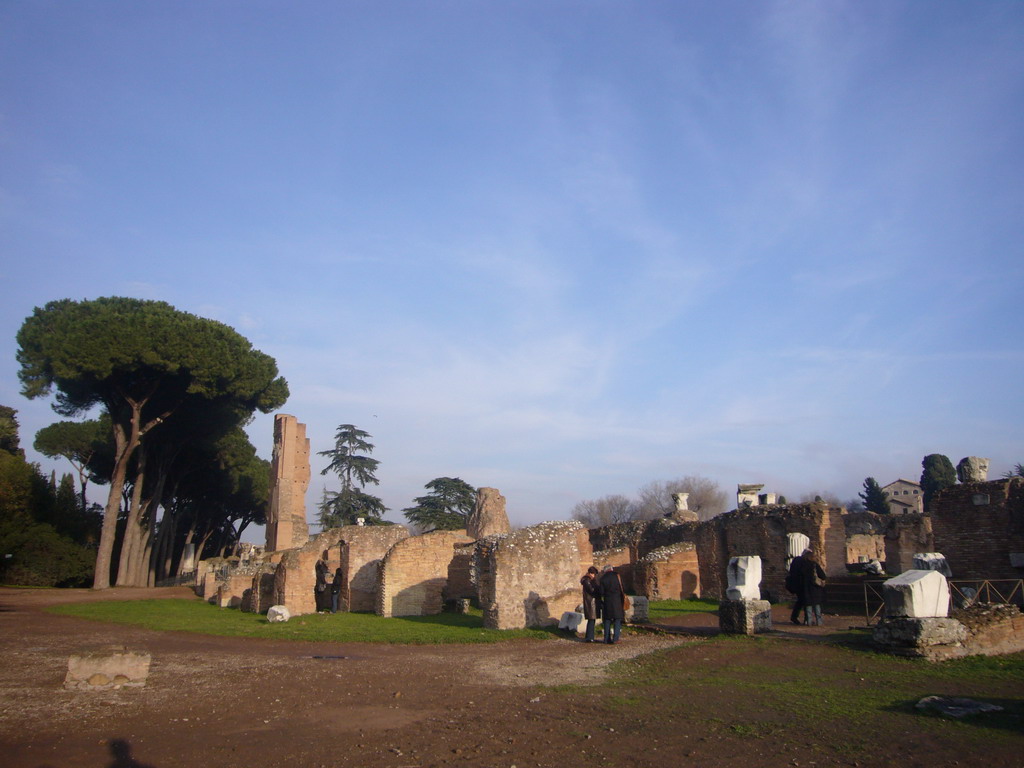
pixel 289 479
pixel 488 518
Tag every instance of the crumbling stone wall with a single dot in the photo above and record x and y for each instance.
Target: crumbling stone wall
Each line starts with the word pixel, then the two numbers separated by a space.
pixel 260 595
pixel 289 479
pixel 643 536
pixel 531 576
pixel 762 531
pixel 461 576
pixel 669 573
pixel 893 539
pixel 356 549
pixel 362 547
pixel 977 526
pixel 488 517
pixel 905 536
pixel 228 581
pixel 758 530
pixel 621 559
pixel 414 573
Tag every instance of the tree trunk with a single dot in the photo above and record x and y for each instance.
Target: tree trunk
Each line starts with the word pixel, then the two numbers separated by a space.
pixel 165 544
pixel 127 575
pixel 202 544
pixel 124 445
pixel 146 574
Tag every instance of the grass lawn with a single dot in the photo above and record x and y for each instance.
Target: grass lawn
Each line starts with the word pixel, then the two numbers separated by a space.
pixel 202 618
pixel 662 609
pixel 760 688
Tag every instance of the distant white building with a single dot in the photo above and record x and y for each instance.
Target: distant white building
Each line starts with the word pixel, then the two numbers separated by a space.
pixel 904 496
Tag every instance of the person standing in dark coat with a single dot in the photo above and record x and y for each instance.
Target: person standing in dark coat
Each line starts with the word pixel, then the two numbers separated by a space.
pixel 336 590
pixel 813 586
pixel 320 592
pixel 795 584
pixel 612 604
pixel 591 601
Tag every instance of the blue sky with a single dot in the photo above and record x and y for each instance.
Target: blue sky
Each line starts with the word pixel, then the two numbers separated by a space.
pixel 558 248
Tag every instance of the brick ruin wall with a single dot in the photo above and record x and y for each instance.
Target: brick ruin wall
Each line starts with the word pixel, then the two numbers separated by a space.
pixel 757 530
pixel 531 576
pixel 289 479
pixel 763 531
pixel 228 581
pixel 621 559
pixel 461 576
pixel 668 573
pixel 356 549
pixel 976 537
pixel 362 549
pixel 892 539
pixel 414 573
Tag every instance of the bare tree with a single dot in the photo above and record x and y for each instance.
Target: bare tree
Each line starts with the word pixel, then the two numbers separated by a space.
pixel 607 510
pixel 706 498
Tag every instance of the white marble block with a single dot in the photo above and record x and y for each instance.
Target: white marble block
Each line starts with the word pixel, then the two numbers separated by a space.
pixel 917 594
pixel 932 561
pixel 744 578
pixel 796 543
pixel 278 613
pixel 571 620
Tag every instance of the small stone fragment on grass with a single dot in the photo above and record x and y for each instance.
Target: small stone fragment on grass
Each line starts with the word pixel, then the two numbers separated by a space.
pixel 953 706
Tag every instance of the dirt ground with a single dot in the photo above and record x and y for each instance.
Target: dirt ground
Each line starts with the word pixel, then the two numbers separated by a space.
pixel 238 702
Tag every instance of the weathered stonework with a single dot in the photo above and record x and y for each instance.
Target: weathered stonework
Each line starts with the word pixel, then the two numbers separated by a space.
pixel 916 595
pixel 621 559
pixel 668 573
pixel 414 573
pixel 745 617
pixel 362 548
pixel 972 469
pixel 488 517
pixel 104 670
pixel 891 539
pixel 461 576
pixel 744 573
pixel 747 494
pixel 289 479
pixel 981 630
pixel 531 576
pixel 978 526
pixel 913 637
pixel 356 549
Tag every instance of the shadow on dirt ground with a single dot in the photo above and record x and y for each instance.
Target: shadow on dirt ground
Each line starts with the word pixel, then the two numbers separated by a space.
pixel 679 695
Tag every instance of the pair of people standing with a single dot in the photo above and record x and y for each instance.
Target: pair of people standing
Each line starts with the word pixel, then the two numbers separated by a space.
pixel 806 580
pixel 604 598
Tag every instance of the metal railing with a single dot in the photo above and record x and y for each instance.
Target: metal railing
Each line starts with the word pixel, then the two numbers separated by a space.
pixel 962 594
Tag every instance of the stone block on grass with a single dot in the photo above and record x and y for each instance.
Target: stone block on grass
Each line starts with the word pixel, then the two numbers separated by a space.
pixel 104 670
pixel 916 594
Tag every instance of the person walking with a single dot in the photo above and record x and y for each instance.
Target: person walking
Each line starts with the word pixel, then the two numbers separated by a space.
pixel 813 586
pixel 591 601
pixel 613 599
pixel 795 584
